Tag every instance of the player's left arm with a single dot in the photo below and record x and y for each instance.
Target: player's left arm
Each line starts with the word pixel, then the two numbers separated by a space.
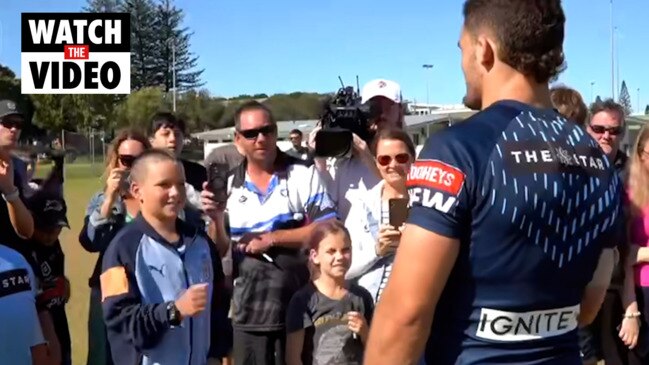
pixel 595 291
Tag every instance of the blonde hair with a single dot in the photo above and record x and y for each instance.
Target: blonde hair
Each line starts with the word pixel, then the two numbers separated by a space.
pixel 122 136
pixel 639 175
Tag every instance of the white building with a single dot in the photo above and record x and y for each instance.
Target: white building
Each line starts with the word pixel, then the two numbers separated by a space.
pixel 419 127
pixel 426 109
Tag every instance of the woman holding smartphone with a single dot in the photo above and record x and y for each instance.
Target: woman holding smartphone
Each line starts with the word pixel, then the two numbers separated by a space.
pixel 382 213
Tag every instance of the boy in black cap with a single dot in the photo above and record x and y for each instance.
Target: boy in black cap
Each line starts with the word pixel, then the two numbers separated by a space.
pixel 43 251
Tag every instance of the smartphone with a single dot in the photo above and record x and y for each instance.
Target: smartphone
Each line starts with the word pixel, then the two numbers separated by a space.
pixel 217 181
pixel 398 211
pixel 125 183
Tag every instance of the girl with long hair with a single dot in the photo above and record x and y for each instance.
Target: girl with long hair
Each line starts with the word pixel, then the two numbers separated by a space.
pixel 636 286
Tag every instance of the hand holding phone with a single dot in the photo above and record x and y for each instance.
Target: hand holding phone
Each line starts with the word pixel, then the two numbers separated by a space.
pixel 398 211
pixel 217 181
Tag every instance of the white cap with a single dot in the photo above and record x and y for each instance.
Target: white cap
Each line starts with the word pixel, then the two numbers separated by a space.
pixel 381 87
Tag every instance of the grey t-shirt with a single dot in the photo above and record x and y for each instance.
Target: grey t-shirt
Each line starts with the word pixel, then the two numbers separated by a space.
pixel 327 339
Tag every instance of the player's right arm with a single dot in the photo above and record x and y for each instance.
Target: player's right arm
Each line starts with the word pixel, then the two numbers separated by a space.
pixel 426 255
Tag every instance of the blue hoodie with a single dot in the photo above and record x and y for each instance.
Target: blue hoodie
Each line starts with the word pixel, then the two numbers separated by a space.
pixel 141 273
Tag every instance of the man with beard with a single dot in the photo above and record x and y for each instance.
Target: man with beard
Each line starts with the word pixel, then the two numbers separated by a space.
pixel 510 243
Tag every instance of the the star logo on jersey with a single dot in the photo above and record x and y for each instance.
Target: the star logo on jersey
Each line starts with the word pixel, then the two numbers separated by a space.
pixel 563 155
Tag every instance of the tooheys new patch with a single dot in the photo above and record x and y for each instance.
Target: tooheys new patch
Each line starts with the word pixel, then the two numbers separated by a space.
pixel 435 184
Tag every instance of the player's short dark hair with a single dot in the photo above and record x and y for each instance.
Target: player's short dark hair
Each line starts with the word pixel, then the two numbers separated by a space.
pixel 570 104
pixel 296 131
pixel 249 106
pixel 608 105
pixel 166 119
pixel 529 33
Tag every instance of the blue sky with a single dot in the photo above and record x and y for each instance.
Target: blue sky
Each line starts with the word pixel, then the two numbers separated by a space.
pixel 249 47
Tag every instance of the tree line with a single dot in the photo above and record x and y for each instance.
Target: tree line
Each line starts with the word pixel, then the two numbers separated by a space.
pixel 158 38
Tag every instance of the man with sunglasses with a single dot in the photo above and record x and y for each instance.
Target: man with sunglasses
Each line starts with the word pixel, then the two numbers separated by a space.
pixel 297 150
pixel 600 341
pixel 16 222
pixel 273 199
pixel 607 127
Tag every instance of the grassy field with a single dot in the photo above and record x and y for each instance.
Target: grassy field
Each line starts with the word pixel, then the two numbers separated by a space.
pixel 82 181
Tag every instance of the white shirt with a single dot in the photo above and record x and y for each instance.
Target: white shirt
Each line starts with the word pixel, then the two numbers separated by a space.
pixel 349 181
pixel 369 270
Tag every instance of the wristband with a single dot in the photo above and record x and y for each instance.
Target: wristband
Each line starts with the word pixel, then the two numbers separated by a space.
pixel 11 197
pixel 632 315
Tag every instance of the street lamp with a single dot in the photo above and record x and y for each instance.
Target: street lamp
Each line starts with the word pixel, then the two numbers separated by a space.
pixel 612 54
pixel 592 84
pixel 427 67
pixel 172 41
pixel 1 37
pixel 639 108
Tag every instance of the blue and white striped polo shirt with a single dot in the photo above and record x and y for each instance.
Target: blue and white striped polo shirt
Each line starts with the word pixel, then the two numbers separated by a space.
pixel 295 197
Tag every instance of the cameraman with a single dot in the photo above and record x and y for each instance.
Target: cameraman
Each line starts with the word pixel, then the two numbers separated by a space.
pixel 348 178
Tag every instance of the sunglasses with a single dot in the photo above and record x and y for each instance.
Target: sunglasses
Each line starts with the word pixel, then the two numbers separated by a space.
pixel 254 133
pixel 9 122
pixel 126 160
pixel 600 129
pixel 385 160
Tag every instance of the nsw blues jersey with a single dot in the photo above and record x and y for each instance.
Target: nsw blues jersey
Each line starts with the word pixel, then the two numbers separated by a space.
pixel 533 201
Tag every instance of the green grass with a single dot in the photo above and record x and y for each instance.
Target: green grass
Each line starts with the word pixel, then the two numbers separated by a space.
pixel 81 182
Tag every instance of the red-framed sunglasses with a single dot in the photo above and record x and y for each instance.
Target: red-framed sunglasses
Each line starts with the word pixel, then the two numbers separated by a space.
pixel 385 160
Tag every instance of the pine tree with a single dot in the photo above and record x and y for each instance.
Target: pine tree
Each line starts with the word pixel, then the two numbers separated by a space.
pixel 598 99
pixel 625 99
pixel 144 43
pixel 646 110
pixel 173 40
pixel 104 6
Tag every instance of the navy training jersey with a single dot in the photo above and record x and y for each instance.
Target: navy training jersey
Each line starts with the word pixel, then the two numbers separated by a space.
pixel 533 201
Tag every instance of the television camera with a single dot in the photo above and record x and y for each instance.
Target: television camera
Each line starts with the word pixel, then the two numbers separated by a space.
pixel 343 116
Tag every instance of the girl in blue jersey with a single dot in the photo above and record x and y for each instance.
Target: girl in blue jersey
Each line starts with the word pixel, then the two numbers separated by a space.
pixel 328 320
